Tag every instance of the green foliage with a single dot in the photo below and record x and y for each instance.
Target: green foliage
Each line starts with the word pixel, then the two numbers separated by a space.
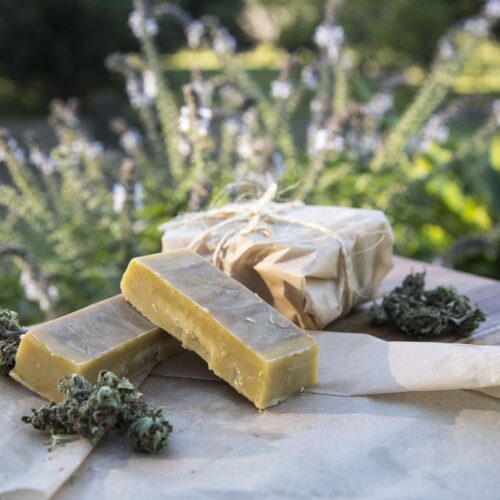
pixel 58 210
pixel 427 313
pixel 74 215
pixel 10 337
pixel 90 410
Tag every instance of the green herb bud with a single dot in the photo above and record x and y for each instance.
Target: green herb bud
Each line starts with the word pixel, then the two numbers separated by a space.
pixel 427 313
pixel 150 433
pixel 10 338
pixel 90 410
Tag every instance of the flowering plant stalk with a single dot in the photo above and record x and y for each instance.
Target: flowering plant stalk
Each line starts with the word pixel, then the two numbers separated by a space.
pixel 59 220
pixel 80 210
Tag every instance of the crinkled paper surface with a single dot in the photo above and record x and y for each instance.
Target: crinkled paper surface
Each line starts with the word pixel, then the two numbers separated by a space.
pixel 412 431
pixel 27 470
pixel 295 264
pixel 436 445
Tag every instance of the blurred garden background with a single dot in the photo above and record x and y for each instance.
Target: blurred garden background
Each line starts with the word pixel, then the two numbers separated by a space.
pixel 116 116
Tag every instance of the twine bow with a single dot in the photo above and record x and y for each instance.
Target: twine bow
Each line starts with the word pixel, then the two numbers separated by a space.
pixel 250 218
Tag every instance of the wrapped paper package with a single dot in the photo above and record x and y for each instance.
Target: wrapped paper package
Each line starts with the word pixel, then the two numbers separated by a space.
pixel 312 263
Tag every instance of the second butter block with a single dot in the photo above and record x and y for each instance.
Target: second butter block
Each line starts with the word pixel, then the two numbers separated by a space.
pixel 109 335
pixel 244 340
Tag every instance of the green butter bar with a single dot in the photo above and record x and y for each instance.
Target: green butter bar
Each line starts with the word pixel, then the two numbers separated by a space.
pixel 243 339
pixel 109 335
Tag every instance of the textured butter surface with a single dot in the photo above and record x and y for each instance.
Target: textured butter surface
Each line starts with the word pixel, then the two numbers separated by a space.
pixel 243 339
pixel 108 335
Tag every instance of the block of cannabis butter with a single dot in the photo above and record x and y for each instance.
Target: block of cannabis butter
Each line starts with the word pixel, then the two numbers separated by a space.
pixel 311 263
pixel 108 335
pixel 245 341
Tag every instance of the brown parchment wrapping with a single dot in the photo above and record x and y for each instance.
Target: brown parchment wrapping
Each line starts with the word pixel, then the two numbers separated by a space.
pixel 312 263
pixel 434 445
pixel 223 447
pixel 28 471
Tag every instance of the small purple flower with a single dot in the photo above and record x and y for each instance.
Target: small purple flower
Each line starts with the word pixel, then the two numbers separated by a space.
pixel 278 162
pixel 323 142
pixel 202 120
pixel 223 43
pixel 183 147
pixel 16 151
pixel 130 140
pixel 43 162
pixel 95 149
pixel 119 197
pixel 184 120
pixel 380 104
pixel 492 9
pixel 495 108
pixel 233 126
pixel 433 131
pixel 476 26
pixel 149 85
pixel 281 90
pixel 330 39
pixel 141 93
pixel 245 146
pixel 205 114
pixel 138 196
pixel 337 144
pixel 309 78
pixel 142 26
pixel 446 50
pixel 194 34
pixel 316 106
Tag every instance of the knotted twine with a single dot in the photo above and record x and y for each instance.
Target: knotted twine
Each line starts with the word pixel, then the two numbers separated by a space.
pixel 254 217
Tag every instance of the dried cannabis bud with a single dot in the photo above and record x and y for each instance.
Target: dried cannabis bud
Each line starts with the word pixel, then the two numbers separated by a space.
pixel 10 337
pixel 427 313
pixel 150 432
pixel 90 410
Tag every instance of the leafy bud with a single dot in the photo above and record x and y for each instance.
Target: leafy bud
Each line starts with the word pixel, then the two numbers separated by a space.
pixel 90 410
pixel 150 433
pixel 10 337
pixel 427 313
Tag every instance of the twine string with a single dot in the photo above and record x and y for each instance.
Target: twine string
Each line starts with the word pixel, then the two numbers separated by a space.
pixel 255 217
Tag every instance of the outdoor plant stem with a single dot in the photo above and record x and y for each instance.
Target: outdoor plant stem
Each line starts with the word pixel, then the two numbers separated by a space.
pixel 165 104
pixel 319 160
pixel 341 87
pixel 430 96
pixel 128 169
pixel 27 262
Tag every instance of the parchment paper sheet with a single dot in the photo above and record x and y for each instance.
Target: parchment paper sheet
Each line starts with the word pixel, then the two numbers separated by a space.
pixel 432 445
pixel 355 364
pixel 27 470
pixel 313 444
